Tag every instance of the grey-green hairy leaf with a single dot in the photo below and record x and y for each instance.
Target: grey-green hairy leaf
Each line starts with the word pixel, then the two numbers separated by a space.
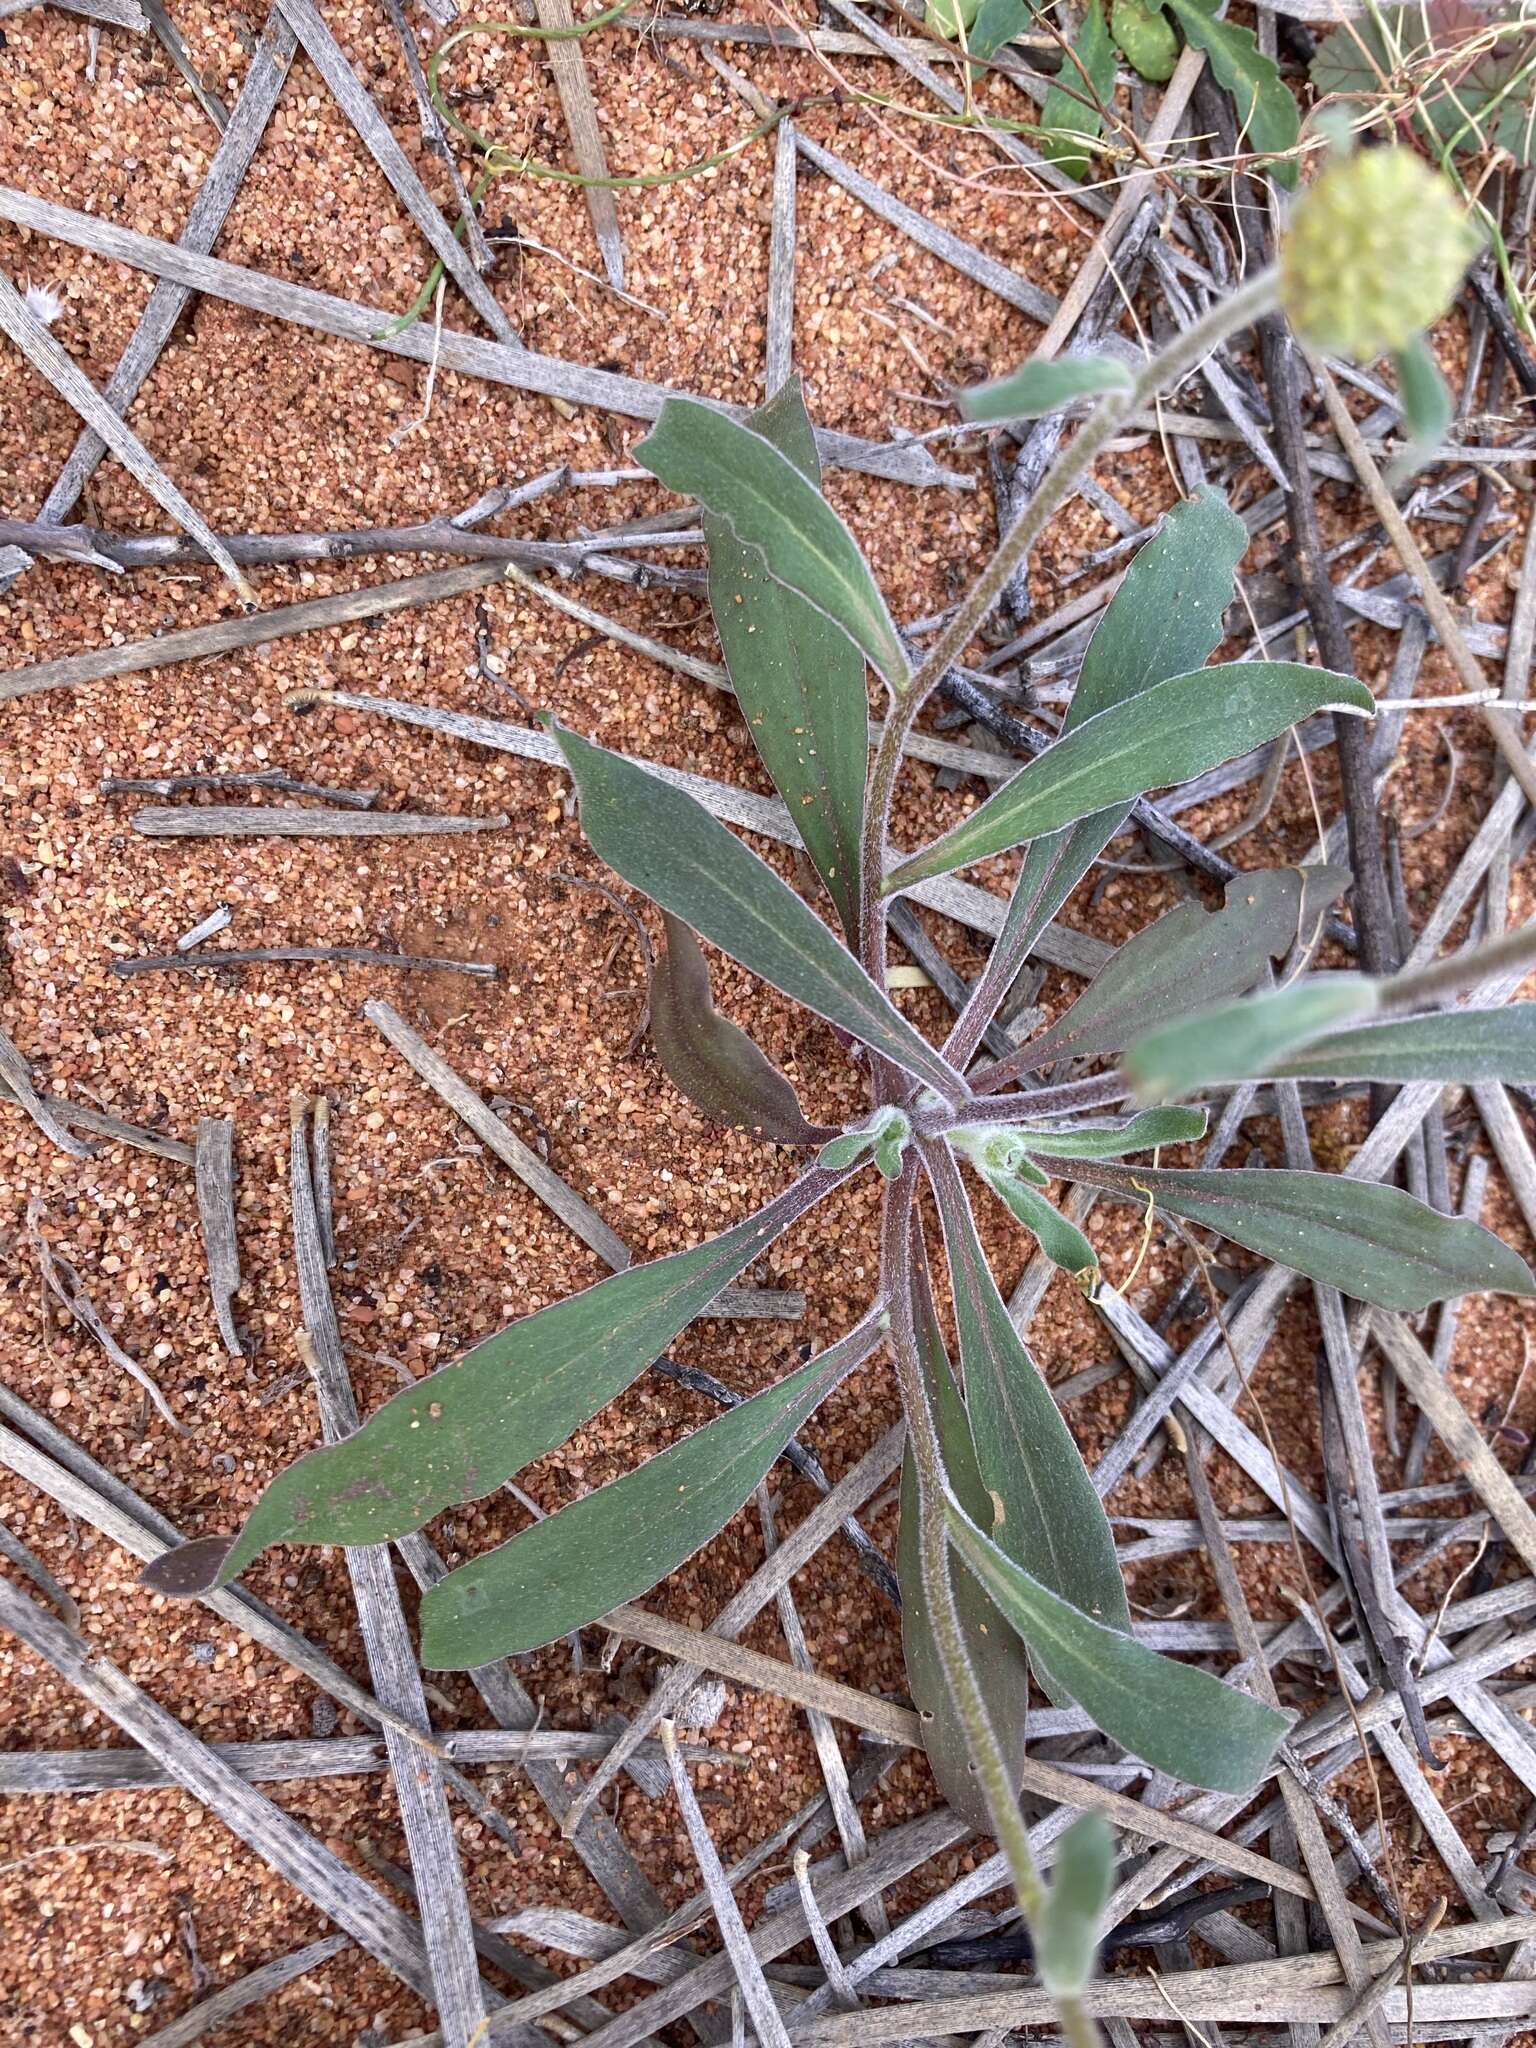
pixel 1164 619
pixel 798 677
pixel 668 846
pixel 1378 1244
pixel 1081 1880
pixel 1172 1715
pixel 1044 384
pixel 1141 1133
pixel 997 1655
pixel 1178 729
pixel 1045 1511
pixel 1241 1041
pixel 772 506
pixel 1057 1235
pixel 713 1061
pixel 1427 407
pixel 1268 118
pixel 1451 1045
pixel 461 1431
pixel 618 1541
pixel 1188 959
pixel 997 23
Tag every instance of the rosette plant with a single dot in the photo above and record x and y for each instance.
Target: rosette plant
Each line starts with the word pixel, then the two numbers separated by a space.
pixel 1007 1565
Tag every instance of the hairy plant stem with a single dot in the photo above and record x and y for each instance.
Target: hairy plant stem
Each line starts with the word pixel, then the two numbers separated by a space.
pixel 1071 1098
pixel 997 1786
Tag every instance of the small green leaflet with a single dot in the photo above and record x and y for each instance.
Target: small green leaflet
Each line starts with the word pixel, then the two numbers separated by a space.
pixel 1057 1235
pixel 1174 731
pixel 1189 958
pixel 1070 110
pixel 461 1431
pixel 798 677
pixel 658 838
pixel 1171 1715
pixel 1046 1513
pixel 713 1061
pixel 1268 118
pixel 1241 1041
pixel 1067 1941
pixel 997 1655
pixel 1452 1045
pixel 1427 406
pixel 1146 36
pixel 1378 1244
pixel 1045 384
pixel 771 505
pixel 618 1541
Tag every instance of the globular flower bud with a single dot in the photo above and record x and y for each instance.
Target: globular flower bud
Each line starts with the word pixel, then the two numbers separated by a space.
pixel 1375 251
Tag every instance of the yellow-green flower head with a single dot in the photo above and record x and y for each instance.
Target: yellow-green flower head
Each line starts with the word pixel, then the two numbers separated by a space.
pixel 1375 252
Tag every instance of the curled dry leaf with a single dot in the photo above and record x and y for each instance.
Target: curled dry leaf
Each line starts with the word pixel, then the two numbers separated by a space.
pixel 713 1061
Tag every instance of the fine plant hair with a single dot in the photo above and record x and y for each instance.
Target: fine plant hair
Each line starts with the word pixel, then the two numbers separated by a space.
pixel 1007 1565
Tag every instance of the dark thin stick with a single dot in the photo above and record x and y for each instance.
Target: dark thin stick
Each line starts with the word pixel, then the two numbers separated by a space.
pixel 280 1841
pixel 522 369
pixel 167 302
pixel 216 1212
pixel 423 1798
pixel 377 137
pixel 568 67
pixel 1369 893
pixel 16 1077
pixel 434 138
pixel 1485 285
pixel 291 821
pixel 364 956
pixel 779 345
pixel 259 778
pixel 248 1990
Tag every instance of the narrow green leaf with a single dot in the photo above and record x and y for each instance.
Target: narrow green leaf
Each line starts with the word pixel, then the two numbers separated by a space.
pixel 1044 384
pixel 798 677
pixel 1165 619
pixel 1057 1235
pixel 1171 1715
pixel 1268 118
pixel 1428 407
pixel 1045 1511
pixel 1452 1045
pixel 1147 38
pixel 1142 1133
pixel 668 846
pixel 1069 111
pixel 1378 1244
pixel 772 506
pixel 946 16
pixel 997 1655
pixel 1082 1877
pixel 1175 730
pixel 713 1061
pixel 1241 1041
pixel 618 1541
pixel 1189 959
pixel 460 1432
